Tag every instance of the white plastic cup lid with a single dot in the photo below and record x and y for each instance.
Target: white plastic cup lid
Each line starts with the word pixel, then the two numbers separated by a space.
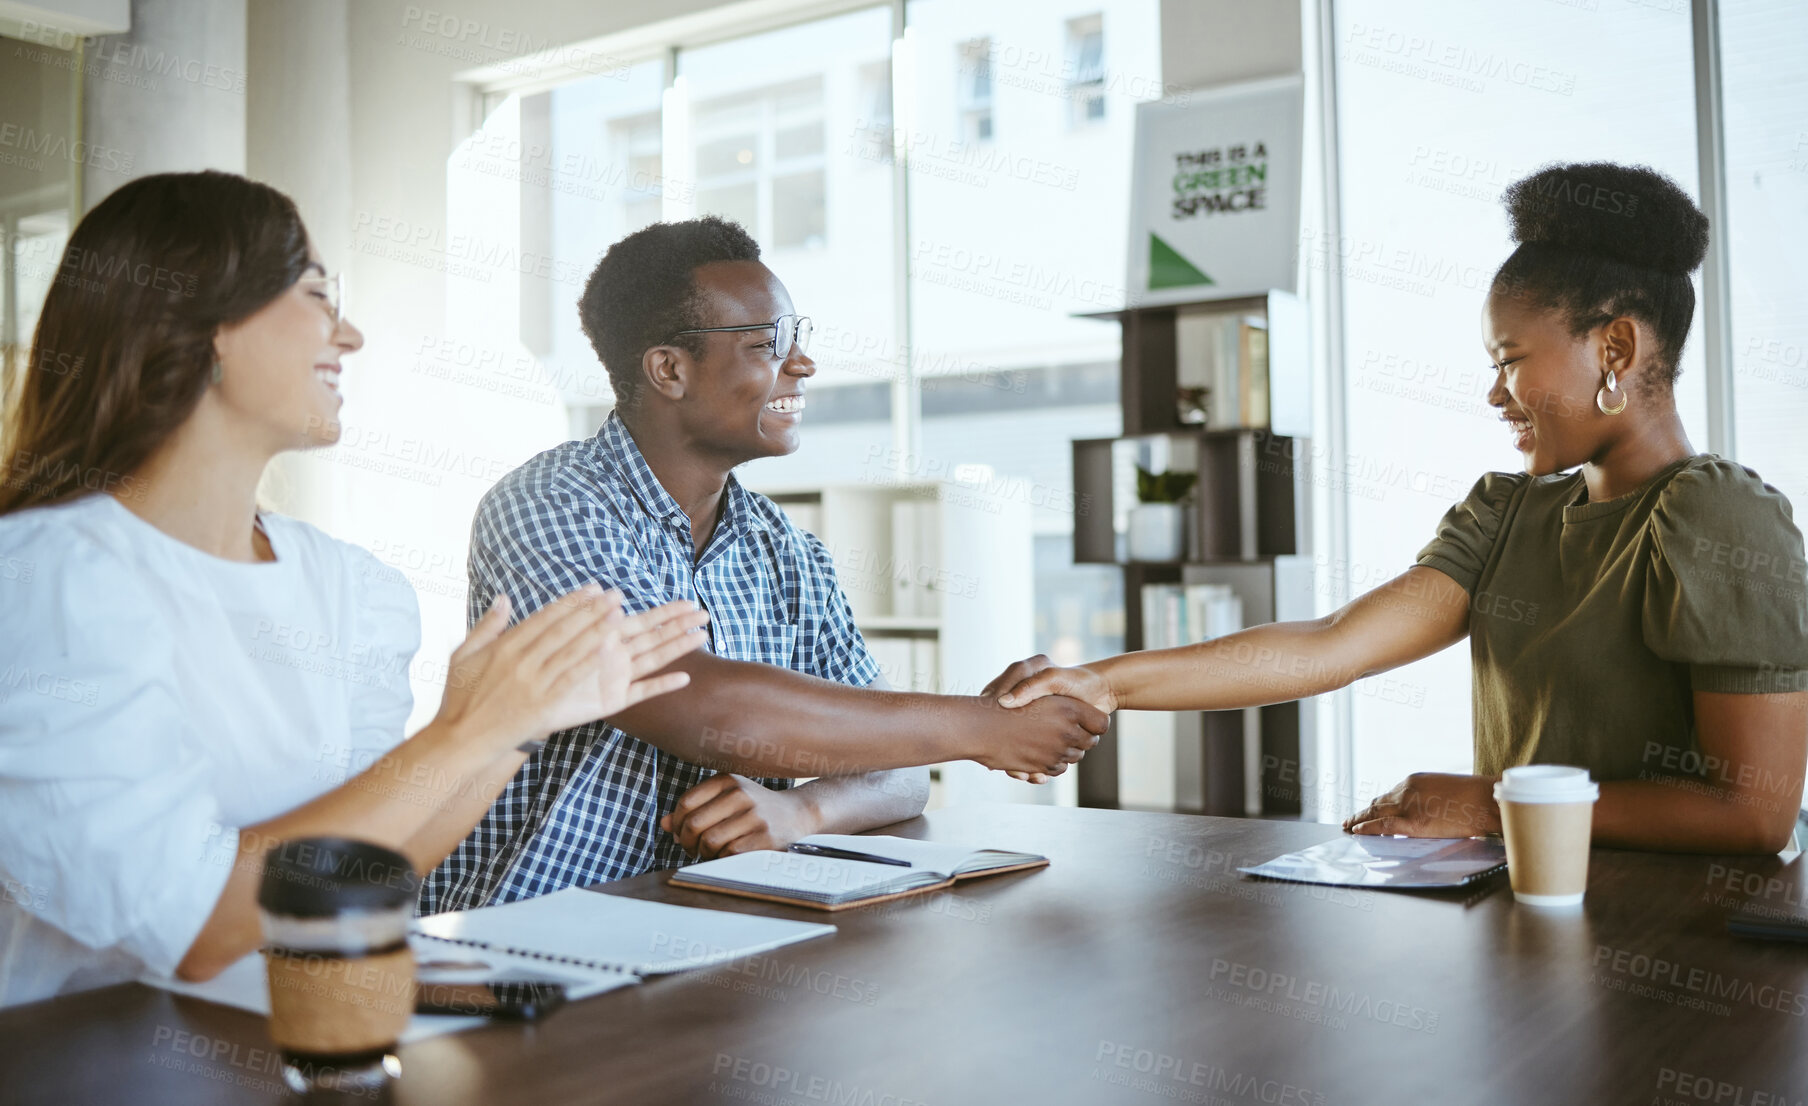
pixel 1546 783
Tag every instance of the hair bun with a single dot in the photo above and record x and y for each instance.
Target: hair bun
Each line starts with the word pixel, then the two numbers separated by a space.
pixel 1630 213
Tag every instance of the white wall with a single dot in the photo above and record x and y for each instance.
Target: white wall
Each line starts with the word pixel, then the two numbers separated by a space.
pixel 167 96
pixel 298 139
pixel 1208 42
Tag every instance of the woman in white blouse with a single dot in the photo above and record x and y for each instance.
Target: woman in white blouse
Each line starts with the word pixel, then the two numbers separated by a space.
pixel 184 678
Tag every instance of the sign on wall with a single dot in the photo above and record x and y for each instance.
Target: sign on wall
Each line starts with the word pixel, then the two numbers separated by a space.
pixel 1214 204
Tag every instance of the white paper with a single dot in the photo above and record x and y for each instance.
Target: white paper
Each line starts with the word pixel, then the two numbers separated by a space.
pixel 928 855
pixel 823 878
pixel 246 986
pixel 647 938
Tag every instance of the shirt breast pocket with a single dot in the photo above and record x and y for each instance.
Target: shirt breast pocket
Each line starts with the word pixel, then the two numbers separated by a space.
pixel 765 643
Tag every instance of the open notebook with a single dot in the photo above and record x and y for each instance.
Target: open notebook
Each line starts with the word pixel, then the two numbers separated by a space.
pixel 612 933
pixel 245 984
pixel 829 883
pixel 588 941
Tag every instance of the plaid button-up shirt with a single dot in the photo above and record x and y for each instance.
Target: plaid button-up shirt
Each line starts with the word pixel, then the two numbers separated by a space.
pixel 586 808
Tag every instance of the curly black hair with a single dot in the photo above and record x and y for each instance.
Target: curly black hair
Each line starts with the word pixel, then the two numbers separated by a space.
pixel 641 293
pixel 1599 240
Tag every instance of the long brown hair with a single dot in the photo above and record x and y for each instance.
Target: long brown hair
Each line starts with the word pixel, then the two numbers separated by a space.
pixel 123 350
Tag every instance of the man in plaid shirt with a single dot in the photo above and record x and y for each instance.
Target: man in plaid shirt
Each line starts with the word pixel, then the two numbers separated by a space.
pixel 708 363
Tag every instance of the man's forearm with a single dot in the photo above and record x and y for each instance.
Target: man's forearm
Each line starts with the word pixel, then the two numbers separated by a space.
pixel 854 804
pixel 760 720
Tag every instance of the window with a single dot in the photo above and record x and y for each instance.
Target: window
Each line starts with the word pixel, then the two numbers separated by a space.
pixel 38 194
pixel 784 125
pixel 1086 70
pixel 760 163
pixel 1765 93
pixel 974 72
pixel 592 170
pixel 729 144
pixel 638 139
pixel 1009 376
pixel 872 128
pixel 1439 108
pixel 34 243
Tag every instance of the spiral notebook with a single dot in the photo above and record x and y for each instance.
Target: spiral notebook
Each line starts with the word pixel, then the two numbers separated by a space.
pixel 612 933
pixel 244 985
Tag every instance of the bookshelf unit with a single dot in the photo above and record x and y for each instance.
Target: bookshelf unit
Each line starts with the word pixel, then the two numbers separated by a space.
pixel 1247 523
pixel 937 575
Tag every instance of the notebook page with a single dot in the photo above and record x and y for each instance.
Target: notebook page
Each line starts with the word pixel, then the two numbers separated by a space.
pixel 824 878
pixel 632 934
pixel 934 856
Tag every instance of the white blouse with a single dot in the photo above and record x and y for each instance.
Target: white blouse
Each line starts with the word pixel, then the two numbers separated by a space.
pixel 153 699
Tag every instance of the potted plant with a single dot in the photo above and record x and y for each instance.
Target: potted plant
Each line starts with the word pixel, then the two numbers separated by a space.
pixel 1158 521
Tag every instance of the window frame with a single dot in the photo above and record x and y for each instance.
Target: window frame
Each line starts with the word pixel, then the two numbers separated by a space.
pixel 972 65
pixel 768 168
pixel 1085 86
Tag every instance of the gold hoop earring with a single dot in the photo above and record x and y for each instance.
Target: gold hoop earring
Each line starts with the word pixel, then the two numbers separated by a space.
pixel 1612 385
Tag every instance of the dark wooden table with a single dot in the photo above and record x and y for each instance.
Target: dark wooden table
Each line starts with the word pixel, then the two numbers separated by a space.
pixel 1138 968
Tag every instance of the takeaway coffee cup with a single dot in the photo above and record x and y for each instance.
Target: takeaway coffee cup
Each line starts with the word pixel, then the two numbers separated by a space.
pixel 1546 815
pixel 335 916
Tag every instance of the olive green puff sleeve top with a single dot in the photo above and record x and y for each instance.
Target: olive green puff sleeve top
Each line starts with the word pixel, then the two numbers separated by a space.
pixel 1591 624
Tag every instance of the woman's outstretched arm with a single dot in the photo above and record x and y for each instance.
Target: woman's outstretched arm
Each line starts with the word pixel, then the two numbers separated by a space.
pixel 1411 616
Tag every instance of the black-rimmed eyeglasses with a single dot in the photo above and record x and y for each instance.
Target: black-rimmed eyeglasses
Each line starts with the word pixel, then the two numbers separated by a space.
pixel 789 332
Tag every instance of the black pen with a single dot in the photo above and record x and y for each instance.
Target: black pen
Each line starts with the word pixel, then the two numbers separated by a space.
pixel 846 854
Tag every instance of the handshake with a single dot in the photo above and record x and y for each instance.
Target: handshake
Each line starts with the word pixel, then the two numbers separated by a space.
pixel 1052 717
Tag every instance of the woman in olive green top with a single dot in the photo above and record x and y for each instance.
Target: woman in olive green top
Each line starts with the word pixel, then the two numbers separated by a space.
pixel 1643 616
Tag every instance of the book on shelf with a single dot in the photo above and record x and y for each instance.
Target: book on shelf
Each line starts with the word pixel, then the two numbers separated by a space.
pixel 908 663
pixel 805 516
pixel 916 539
pixel 1227 354
pixel 1186 614
pixel 894 657
pixel 1252 344
pixel 924 665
